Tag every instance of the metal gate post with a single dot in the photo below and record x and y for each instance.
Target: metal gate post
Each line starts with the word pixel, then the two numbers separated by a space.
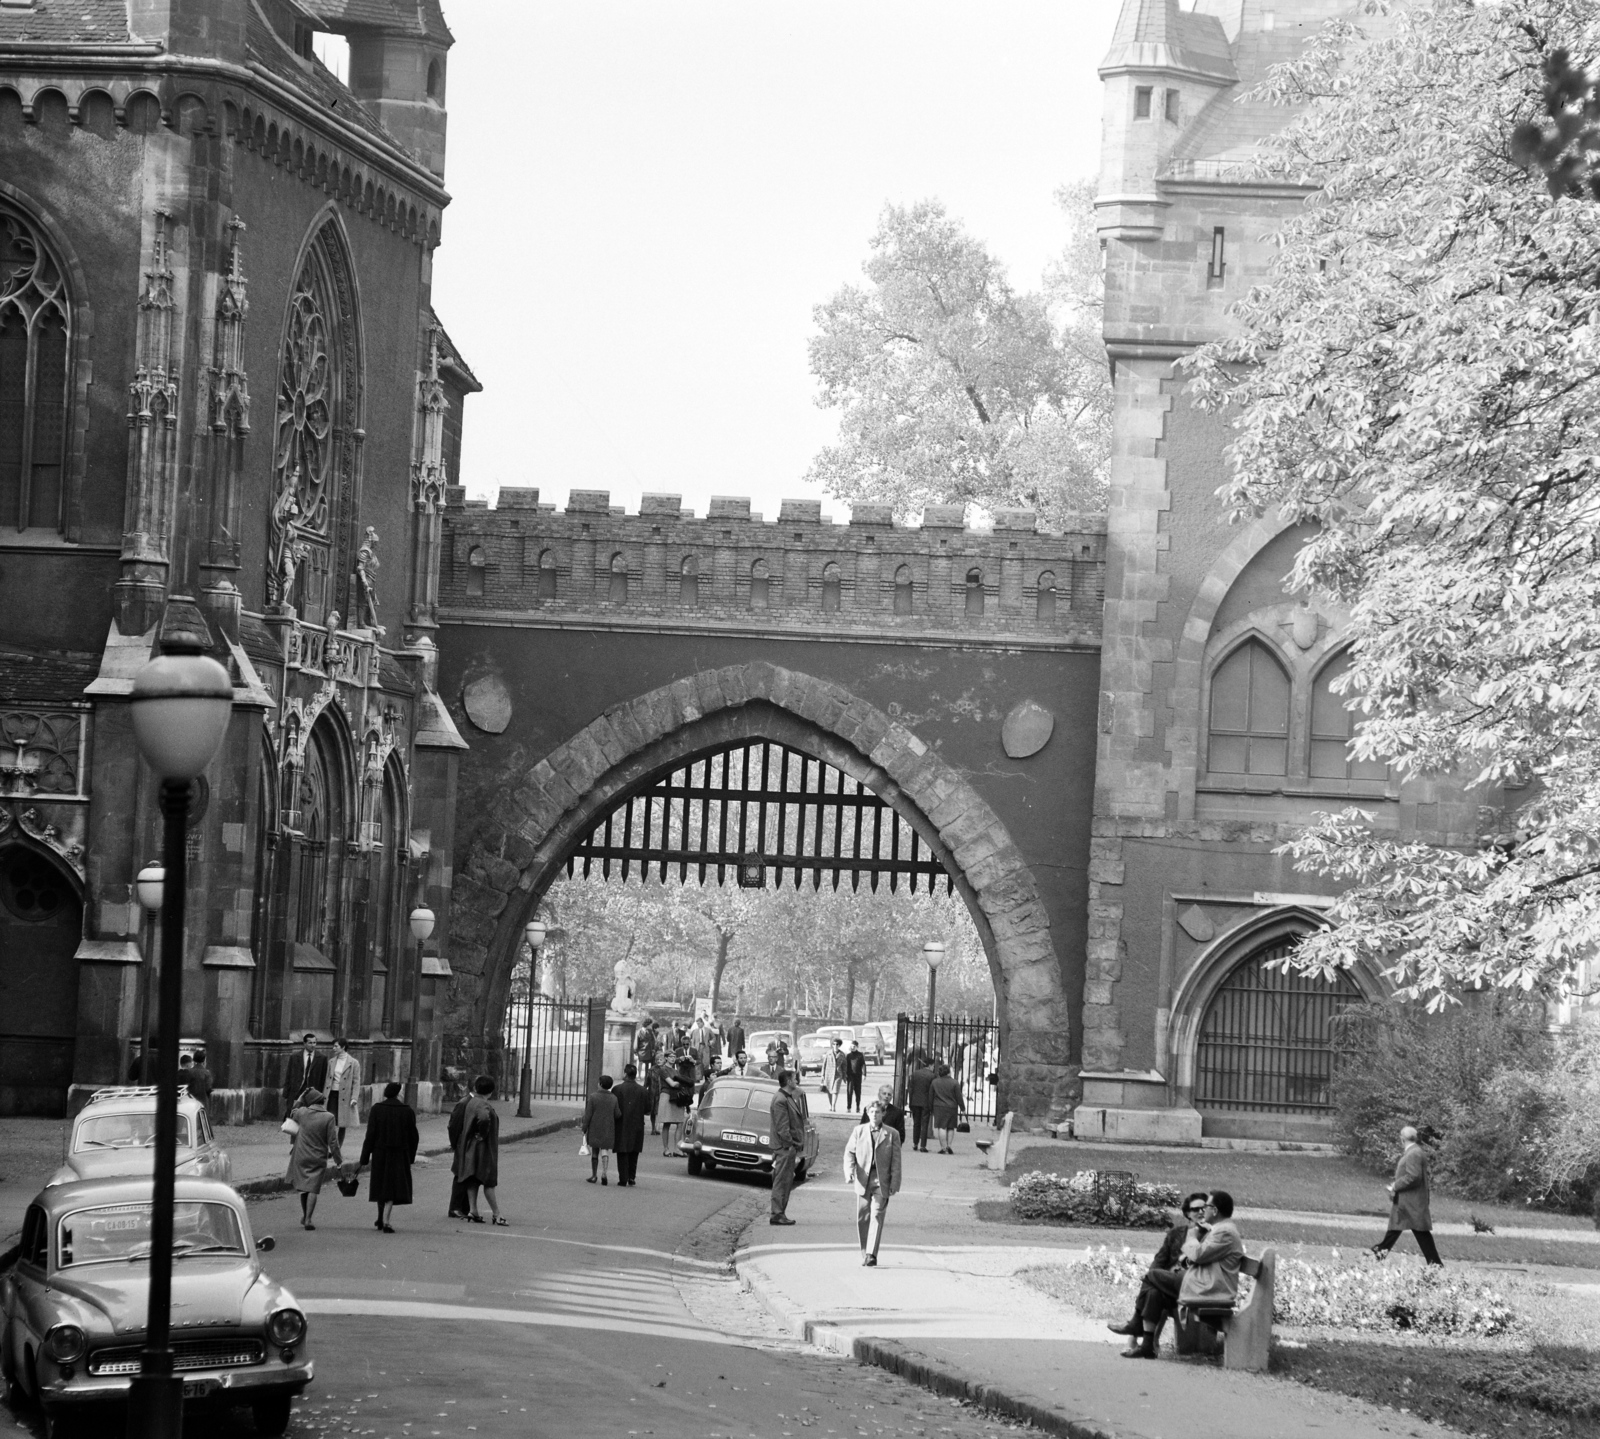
pixel 902 1054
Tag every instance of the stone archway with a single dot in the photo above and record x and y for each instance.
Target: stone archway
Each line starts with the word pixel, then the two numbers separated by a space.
pixel 521 846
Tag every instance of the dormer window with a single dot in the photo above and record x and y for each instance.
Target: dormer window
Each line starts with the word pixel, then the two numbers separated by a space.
pixel 1173 101
pixel 1143 96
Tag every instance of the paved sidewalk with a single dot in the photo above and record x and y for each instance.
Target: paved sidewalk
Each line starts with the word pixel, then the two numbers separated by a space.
pixel 944 1308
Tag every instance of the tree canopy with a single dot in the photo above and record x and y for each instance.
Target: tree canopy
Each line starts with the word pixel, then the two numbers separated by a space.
pixel 1421 377
pixel 954 387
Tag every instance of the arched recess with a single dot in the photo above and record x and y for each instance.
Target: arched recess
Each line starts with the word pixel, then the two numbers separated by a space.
pixel 41 924
pixel 524 843
pixel 1219 959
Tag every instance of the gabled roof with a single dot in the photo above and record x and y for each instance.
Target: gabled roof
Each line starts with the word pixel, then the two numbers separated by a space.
pixel 393 17
pixel 67 22
pixel 1157 35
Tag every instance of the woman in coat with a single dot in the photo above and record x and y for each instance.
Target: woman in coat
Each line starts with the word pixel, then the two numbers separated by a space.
pixel 391 1148
pixel 478 1155
pixel 832 1077
pixel 316 1147
pixel 601 1115
pixel 948 1106
pixel 680 1095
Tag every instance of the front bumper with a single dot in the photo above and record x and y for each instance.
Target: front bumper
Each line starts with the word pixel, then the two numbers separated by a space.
pixel 733 1155
pixel 200 1386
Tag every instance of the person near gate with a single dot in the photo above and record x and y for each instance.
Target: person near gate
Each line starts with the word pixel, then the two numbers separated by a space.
pixel 1408 1201
pixel 948 1106
pixel 478 1155
pixel 919 1095
pixel 344 1084
pixel 833 1073
pixel 632 1102
pixel 1209 1274
pixel 855 1070
pixel 788 1131
pixel 893 1115
pixel 458 1190
pixel 601 1113
pixel 872 1168
pixel 1169 1256
pixel 679 1088
pixel 315 1152
pixel 307 1070
pixel 645 1043
pixel 391 1149
pixel 654 1077
pixel 736 1035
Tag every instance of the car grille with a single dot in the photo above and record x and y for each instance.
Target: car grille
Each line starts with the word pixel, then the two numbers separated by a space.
pixel 734 1156
pixel 186 1354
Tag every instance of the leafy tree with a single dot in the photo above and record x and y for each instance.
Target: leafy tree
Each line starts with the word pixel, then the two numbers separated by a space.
pixel 1419 377
pixel 952 386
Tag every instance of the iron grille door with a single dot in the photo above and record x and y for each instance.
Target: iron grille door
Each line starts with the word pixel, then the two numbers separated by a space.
pixel 971 1047
pixel 552 1038
pixel 1266 1042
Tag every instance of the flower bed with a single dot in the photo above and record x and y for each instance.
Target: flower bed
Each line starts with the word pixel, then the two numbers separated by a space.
pixel 1088 1198
pixel 1363 1294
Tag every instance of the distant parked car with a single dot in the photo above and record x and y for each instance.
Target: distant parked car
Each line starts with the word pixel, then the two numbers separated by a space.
pixel 732 1129
pixel 877 1040
pixel 755 1045
pixel 808 1053
pixel 842 1032
pixel 115 1133
pixel 72 1308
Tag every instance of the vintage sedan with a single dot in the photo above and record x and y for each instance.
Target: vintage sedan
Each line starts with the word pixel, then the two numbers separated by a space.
pixel 73 1307
pixel 115 1133
pixel 809 1053
pixel 732 1129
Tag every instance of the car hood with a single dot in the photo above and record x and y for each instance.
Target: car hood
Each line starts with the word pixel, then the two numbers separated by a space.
pixel 206 1293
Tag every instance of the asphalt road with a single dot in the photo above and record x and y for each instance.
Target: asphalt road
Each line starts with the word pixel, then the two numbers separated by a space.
pixel 598 1312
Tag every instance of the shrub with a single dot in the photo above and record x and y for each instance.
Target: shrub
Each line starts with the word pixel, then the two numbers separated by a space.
pixel 1086 1198
pixel 1343 1294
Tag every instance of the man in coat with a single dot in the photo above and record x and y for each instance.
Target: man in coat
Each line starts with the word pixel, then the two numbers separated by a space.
pixel 872 1166
pixel 919 1095
pixel 736 1036
pixel 855 1070
pixel 458 1190
pixel 893 1115
pixel 788 1130
pixel 195 1077
pixel 1408 1200
pixel 635 1103
pixel 307 1070
pixel 1210 1274
pixel 391 1149
pixel 1169 1256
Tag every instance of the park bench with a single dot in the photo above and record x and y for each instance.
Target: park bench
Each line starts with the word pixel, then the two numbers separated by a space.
pixel 1243 1331
pixel 996 1151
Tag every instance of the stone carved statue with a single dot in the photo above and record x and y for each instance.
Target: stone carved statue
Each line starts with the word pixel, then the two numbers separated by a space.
pixel 367 567
pixel 623 1001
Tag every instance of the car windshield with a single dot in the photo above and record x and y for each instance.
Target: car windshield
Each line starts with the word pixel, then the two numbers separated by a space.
pixel 122 1232
pixel 124 1131
pixel 734 1098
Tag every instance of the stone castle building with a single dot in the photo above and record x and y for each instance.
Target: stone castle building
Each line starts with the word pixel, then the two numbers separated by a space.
pixel 224 400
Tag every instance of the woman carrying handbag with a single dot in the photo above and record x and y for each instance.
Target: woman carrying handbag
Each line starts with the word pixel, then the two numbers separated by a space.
pixel 316 1149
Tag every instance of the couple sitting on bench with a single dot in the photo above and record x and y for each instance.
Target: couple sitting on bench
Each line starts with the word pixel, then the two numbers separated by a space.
pixel 1197 1267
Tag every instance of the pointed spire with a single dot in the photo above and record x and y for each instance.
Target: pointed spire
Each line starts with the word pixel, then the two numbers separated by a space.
pixel 1158 35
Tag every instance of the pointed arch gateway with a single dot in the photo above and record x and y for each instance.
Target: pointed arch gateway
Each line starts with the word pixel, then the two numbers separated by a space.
pixel 526 842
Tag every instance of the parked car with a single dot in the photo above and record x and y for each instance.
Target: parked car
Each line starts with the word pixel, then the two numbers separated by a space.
pixel 755 1045
pixel 842 1032
pixel 808 1053
pixel 72 1308
pixel 115 1133
pixel 877 1040
pixel 731 1129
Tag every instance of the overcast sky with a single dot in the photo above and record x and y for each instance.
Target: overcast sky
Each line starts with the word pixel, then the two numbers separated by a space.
pixel 651 196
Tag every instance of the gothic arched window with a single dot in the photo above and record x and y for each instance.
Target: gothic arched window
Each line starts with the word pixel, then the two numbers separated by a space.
pixel 1332 728
pixel 35 344
pixel 1249 714
pixel 547 574
pixel 316 452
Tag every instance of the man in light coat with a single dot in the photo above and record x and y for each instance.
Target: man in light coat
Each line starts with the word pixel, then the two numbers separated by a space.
pixel 1408 1201
pixel 788 1132
pixel 1208 1273
pixel 872 1168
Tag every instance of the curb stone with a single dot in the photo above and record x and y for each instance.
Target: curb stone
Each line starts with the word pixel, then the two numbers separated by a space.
pixel 953 1384
pixel 277 1184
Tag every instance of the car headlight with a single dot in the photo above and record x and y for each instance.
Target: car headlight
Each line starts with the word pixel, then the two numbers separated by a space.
pixel 286 1326
pixel 65 1344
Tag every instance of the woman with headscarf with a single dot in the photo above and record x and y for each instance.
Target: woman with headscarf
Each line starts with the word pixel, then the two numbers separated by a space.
pixel 316 1148
pixel 391 1148
pixel 478 1155
pixel 948 1106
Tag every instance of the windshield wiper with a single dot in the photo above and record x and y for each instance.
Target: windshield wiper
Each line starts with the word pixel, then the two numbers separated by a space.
pixel 206 1249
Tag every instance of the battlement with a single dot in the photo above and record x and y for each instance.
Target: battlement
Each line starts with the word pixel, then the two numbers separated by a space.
pixel 801 573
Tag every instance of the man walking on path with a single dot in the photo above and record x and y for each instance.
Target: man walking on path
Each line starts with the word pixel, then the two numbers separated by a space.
pixel 736 1036
pixel 855 1070
pixel 307 1070
pixel 1408 1196
pixel 633 1100
pixel 832 1079
pixel 894 1117
pixel 344 1082
pixel 788 1138
pixel 872 1166
pixel 919 1094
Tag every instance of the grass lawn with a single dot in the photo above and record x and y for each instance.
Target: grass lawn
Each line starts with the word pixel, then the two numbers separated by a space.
pixel 1322 1184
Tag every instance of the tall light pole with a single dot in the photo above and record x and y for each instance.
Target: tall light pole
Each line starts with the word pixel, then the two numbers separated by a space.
pixel 180 705
pixel 535 931
pixel 933 956
pixel 421 920
pixel 149 887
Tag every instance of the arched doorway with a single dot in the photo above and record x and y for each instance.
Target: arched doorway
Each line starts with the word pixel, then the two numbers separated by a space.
pixel 523 847
pixel 41 922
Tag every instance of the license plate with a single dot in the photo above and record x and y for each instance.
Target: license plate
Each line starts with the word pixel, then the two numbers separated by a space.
pixel 737 1137
pixel 198 1388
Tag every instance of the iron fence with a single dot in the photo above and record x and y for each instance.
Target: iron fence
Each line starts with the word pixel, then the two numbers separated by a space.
pixel 971 1047
pixel 551 1039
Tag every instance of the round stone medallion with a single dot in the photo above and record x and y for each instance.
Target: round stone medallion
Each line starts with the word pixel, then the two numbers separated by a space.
pixel 1027 729
pixel 488 704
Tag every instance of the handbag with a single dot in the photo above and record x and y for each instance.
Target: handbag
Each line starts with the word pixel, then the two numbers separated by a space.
pixel 290 1126
pixel 349 1181
pixel 963 1128
pixel 583 1148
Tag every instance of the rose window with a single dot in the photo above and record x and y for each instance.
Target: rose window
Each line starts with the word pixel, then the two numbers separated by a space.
pixel 305 412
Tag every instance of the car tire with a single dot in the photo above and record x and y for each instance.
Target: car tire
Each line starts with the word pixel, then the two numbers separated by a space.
pixel 62 1422
pixel 271 1415
pixel 695 1163
pixel 711 1168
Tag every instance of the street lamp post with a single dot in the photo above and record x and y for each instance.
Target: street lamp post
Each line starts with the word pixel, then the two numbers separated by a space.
pixel 535 931
pixel 933 956
pixel 180 705
pixel 148 886
pixel 421 921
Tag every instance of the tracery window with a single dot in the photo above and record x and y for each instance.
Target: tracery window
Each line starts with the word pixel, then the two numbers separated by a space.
pixel 1332 728
pixel 35 345
pixel 1249 714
